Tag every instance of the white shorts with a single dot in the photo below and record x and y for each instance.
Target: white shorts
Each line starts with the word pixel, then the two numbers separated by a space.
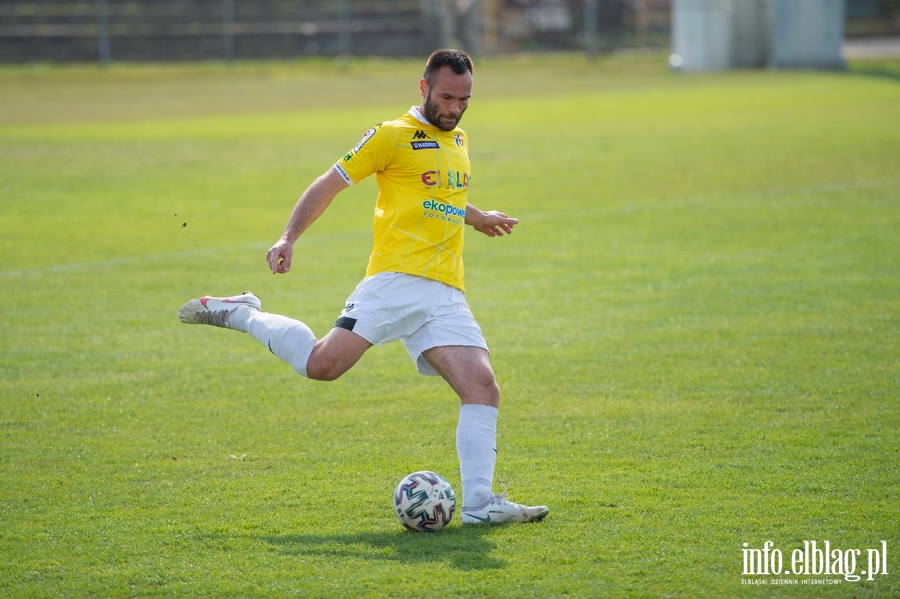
pixel 421 312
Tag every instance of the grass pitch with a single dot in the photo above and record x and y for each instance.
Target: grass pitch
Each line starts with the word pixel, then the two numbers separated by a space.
pixel 695 327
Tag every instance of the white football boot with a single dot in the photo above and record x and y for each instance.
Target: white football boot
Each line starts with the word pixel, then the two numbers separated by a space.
pixel 215 310
pixel 499 510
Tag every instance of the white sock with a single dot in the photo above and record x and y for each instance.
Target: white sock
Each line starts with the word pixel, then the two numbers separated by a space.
pixel 476 445
pixel 289 339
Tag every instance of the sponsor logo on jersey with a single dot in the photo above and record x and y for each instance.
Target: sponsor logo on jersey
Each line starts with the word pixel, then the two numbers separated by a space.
pixel 448 180
pixel 344 175
pixel 425 145
pixel 421 135
pixel 446 211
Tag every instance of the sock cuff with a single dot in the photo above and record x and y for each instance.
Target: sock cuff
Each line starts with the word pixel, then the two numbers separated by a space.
pixel 478 412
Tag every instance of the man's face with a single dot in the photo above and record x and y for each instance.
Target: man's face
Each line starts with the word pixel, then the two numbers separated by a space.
pixel 444 103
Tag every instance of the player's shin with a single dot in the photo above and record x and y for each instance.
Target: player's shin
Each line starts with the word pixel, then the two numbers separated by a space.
pixel 476 445
pixel 289 339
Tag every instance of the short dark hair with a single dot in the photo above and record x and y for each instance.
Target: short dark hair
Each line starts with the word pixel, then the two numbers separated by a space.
pixel 457 60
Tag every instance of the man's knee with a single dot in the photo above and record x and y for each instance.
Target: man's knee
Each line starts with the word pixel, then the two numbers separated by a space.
pixel 469 372
pixel 491 394
pixel 483 387
pixel 335 354
pixel 320 368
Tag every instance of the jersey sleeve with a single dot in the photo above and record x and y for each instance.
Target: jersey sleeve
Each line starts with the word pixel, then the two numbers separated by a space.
pixel 372 154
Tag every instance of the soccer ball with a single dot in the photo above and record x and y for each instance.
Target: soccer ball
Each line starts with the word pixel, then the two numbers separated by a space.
pixel 424 502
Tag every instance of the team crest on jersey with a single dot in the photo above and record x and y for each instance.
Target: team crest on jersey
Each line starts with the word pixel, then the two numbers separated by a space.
pixel 459 140
pixel 363 141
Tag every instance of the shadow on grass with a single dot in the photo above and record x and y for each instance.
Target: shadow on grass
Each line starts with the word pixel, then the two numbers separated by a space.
pixel 889 70
pixel 466 548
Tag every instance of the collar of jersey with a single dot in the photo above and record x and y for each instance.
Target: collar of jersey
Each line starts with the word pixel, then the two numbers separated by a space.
pixel 418 116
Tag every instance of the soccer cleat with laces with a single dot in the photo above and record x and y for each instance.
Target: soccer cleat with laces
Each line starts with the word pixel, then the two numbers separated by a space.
pixel 499 510
pixel 216 310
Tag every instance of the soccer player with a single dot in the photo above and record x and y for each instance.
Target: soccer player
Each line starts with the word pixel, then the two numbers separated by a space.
pixel 413 289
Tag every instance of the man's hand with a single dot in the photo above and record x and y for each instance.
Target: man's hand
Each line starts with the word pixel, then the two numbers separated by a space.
pixel 279 257
pixel 491 223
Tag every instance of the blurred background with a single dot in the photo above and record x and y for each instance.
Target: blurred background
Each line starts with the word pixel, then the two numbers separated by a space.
pixel 703 34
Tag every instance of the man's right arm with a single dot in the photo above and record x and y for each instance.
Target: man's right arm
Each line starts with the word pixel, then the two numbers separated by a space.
pixel 309 207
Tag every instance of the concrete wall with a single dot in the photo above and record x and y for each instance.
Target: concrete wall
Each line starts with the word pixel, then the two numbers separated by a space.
pixel 725 34
pixel 807 33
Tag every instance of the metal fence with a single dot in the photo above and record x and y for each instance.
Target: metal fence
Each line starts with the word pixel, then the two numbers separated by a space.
pixel 164 30
pixel 80 30
pixel 145 30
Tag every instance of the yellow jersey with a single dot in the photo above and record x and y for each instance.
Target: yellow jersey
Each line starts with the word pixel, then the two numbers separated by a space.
pixel 423 179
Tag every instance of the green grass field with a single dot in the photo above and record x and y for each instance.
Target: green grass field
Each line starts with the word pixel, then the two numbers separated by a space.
pixel 696 327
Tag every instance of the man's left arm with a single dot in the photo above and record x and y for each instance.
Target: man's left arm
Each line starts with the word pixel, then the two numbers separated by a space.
pixel 491 223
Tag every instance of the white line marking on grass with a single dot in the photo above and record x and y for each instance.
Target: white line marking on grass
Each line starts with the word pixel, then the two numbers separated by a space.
pixel 256 247
pixel 125 260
